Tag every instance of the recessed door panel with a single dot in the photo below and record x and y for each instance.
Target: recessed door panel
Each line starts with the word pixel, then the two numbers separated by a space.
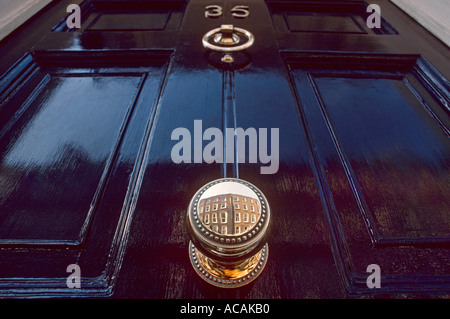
pixel 380 141
pixel 339 17
pixel 397 151
pixel 55 156
pixel 72 139
pixel 127 16
pixel 138 21
pixel 316 23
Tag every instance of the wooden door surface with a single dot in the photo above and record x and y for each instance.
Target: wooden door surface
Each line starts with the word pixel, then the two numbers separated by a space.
pixel 87 175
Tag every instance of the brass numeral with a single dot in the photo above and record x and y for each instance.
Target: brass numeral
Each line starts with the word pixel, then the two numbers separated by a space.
pixel 241 12
pixel 215 11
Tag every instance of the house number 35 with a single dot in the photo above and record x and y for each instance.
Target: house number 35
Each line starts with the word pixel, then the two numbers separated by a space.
pixel 215 11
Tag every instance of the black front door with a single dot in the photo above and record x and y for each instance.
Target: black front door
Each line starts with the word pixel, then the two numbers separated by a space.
pixel 355 165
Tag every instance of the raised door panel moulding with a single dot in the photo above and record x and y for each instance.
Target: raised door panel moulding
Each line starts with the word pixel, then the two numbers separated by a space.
pixel 431 14
pixel 15 13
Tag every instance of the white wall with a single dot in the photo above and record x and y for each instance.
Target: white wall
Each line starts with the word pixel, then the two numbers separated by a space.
pixel 15 12
pixel 434 15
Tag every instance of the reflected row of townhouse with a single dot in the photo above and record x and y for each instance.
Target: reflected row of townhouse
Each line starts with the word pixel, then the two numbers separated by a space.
pixel 229 214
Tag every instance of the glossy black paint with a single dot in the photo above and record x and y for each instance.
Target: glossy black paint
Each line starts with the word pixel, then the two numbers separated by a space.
pixel 87 177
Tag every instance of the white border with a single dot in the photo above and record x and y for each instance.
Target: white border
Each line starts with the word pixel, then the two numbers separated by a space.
pixel 13 13
pixel 431 14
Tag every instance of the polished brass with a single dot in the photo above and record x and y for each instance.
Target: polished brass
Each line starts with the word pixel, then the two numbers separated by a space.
pixel 213 11
pixel 240 12
pixel 228 222
pixel 227 58
pixel 227 39
pixel 228 276
pixel 226 36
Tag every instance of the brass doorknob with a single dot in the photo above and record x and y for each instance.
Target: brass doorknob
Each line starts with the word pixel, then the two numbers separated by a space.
pixel 228 221
pixel 228 39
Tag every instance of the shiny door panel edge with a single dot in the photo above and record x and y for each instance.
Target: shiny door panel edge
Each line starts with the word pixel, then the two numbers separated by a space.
pixel 102 285
pixel 317 63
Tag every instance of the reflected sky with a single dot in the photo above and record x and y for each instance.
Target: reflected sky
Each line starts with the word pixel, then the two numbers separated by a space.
pixel 381 118
pixel 83 112
pixel 228 188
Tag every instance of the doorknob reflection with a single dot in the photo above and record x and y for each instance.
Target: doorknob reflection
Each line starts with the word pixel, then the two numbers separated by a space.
pixel 228 222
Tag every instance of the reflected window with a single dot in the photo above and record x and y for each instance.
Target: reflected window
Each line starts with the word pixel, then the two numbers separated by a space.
pixel 227 217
